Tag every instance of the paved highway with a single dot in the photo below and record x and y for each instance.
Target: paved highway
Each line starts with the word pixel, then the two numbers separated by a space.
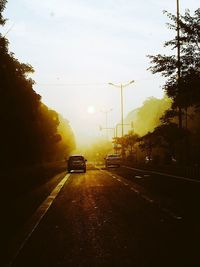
pixel 117 217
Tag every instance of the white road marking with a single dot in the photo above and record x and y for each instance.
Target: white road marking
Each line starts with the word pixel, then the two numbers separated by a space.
pixel 135 169
pixel 147 198
pixel 37 217
pixel 178 217
pixel 174 216
pixel 164 174
pixel 135 190
pixel 138 177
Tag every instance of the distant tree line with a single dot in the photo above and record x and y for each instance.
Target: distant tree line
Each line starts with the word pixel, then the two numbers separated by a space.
pixel 177 137
pixel 30 133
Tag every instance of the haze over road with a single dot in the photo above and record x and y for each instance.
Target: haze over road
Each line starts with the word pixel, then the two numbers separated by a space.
pixel 103 219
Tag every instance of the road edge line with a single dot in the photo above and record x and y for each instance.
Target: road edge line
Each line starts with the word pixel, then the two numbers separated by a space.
pixel 164 174
pixel 37 217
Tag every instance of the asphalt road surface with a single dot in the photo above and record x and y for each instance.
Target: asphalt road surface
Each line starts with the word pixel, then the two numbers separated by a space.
pixel 117 217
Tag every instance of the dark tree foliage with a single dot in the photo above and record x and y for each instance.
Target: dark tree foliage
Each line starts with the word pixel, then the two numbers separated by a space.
pixel 166 137
pixel 67 143
pixel 148 142
pixel 169 134
pixel 184 92
pixel 29 130
pixel 128 141
pixel 188 92
pixel 2 7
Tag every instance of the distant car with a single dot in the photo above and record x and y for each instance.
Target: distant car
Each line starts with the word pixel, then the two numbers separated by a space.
pixel 76 162
pixel 113 160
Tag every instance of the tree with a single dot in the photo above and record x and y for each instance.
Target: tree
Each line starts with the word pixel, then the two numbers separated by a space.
pixel 169 136
pixel 2 7
pixel 128 141
pixel 29 129
pixel 147 143
pixel 165 140
pixel 149 114
pixel 184 92
pixel 67 143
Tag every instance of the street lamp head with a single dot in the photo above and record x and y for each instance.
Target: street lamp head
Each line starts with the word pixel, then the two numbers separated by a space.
pixel 132 81
pixel 110 83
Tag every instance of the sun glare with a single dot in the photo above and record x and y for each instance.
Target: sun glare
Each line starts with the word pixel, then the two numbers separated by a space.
pixel 91 110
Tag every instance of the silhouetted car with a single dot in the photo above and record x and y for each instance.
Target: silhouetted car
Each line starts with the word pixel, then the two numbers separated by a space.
pixel 113 160
pixel 76 162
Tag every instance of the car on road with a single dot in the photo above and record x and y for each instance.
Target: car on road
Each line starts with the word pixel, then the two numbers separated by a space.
pixel 76 162
pixel 113 160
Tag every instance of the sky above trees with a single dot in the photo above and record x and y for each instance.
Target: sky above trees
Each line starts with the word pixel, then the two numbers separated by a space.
pixel 77 47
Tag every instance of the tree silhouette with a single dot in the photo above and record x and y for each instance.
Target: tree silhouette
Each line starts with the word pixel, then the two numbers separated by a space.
pixel 29 129
pixel 186 93
pixel 2 7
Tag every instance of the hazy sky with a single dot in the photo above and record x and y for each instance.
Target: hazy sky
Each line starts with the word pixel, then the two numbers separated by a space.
pixel 77 46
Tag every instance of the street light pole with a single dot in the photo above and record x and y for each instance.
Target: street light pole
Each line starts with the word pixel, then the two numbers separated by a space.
pixel 122 110
pixel 106 113
pixel 122 86
pixel 108 128
pixel 119 124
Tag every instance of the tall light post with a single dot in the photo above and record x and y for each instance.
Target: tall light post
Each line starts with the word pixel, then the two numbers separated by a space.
pixel 122 86
pixel 119 124
pixel 178 58
pixel 106 111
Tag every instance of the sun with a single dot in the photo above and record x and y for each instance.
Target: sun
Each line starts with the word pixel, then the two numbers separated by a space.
pixel 91 110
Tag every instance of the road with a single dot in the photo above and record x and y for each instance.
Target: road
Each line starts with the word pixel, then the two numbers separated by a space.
pixel 117 217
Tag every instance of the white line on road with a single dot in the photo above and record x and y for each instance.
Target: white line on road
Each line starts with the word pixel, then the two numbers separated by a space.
pixel 37 217
pixel 147 198
pixel 164 174
pixel 138 177
pixel 135 190
pixel 171 214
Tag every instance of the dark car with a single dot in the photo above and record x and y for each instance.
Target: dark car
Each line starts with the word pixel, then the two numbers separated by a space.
pixel 76 162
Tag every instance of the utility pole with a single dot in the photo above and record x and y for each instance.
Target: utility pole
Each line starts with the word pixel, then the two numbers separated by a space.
pixel 179 60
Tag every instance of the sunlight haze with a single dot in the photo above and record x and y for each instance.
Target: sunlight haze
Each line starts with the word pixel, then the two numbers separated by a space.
pixel 78 47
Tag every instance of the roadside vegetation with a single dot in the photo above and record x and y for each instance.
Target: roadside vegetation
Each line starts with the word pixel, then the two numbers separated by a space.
pixel 33 141
pixel 31 133
pixel 169 129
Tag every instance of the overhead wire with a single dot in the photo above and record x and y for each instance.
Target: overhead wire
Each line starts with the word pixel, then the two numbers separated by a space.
pixel 83 84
